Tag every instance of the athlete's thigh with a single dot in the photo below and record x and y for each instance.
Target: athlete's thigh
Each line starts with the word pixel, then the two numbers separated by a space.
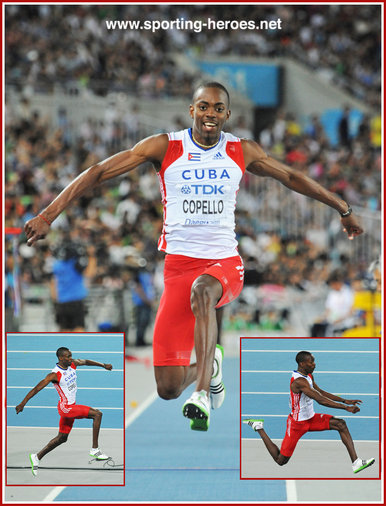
pixel 65 424
pixel 294 432
pixel 230 273
pixel 320 422
pixel 174 324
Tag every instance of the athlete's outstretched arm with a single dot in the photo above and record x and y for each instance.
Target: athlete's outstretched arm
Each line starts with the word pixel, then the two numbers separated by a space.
pixel 336 397
pixel 302 385
pixel 43 383
pixel 259 163
pixel 80 362
pixel 151 149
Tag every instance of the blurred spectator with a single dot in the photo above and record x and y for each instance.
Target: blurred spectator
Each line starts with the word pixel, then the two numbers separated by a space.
pixel 344 128
pixel 68 289
pixel 143 297
pixel 338 314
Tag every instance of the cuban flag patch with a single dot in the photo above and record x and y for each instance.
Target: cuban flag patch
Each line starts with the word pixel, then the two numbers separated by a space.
pixel 194 157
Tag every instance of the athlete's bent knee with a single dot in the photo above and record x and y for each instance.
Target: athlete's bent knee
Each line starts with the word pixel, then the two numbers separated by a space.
pixel 168 392
pixel 282 460
pixel 62 438
pixel 338 424
pixel 201 297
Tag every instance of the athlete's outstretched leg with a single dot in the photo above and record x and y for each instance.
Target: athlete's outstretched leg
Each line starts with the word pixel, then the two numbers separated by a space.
pixel 272 448
pixel 51 445
pixel 257 426
pixel 345 436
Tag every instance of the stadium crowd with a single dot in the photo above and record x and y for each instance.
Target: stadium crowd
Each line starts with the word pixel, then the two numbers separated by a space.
pixel 120 222
pixel 70 46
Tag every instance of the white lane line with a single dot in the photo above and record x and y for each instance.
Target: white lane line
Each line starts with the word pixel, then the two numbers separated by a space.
pixel 51 496
pixel 290 487
pixel 140 409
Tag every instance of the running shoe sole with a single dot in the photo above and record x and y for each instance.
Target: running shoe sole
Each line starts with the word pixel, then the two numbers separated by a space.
pixel 199 420
pixel 368 464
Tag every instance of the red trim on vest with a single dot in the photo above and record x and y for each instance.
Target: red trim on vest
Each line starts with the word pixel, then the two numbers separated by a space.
pixel 235 151
pixel 174 151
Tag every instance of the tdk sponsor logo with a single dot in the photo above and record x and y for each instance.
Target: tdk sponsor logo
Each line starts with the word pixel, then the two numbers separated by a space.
pixel 218 156
pixel 203 189
pixel 194 157
pixel 205 174
pixel 186 189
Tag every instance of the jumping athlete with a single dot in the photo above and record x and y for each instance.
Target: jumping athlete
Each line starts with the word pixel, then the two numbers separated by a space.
pixel 63 377
pixel 303 419
pixel 199 171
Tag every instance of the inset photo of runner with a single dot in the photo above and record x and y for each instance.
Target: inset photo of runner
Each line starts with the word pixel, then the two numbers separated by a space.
pixel 65 408
pixel 310 408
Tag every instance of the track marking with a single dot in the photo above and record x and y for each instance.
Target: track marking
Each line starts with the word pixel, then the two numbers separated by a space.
pixel 50 497
pixel 140 409
pixel 290 487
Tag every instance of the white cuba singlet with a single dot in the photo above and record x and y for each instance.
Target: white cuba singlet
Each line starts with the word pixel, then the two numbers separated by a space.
pixel 302 406
pixel 66 385
pixel 199 188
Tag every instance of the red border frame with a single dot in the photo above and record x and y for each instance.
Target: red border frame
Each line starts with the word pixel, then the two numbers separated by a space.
pixel 6 484
pixel 380 414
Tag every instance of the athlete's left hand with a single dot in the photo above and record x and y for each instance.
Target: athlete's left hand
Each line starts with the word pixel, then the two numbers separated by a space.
pixel 352 402
pixel 19 408
pixel 108 366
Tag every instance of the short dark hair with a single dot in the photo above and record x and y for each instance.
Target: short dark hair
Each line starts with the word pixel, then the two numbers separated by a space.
pixel 302 356
pixel 60 351
pixel 213 84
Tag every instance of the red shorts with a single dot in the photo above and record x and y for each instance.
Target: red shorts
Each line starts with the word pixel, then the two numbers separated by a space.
pixel 174 325
pixel 295 430
pixel 68 413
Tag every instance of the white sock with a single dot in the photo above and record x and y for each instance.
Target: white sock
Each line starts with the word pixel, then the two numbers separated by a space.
pixel 215 369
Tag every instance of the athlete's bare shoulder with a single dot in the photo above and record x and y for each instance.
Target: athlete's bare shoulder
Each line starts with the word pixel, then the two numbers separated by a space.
pixel 152 148
pixel 298 385
pixel 253 153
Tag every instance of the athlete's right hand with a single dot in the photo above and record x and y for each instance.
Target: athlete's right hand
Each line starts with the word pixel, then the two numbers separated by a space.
pixel 19 408
pixel 352 409
pixel 36 229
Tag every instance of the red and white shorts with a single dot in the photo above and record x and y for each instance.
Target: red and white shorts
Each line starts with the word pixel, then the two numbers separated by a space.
pixel 68 413
pixel 174 325
pixel 295 430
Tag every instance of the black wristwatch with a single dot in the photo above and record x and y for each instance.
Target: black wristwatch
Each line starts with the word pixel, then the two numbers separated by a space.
pixel 347 213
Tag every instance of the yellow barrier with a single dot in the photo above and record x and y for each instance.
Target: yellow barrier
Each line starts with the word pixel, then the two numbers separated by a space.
pixel 368 302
